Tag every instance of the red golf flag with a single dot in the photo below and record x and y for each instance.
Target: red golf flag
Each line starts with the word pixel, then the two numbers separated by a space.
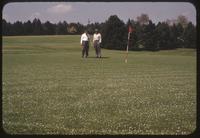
pixel 130 29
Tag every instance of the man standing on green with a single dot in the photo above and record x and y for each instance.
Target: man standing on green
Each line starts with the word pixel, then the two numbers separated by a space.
pixel 85 44
pixel 97 42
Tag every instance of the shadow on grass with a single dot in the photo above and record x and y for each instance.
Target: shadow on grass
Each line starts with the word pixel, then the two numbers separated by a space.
pixel 98 58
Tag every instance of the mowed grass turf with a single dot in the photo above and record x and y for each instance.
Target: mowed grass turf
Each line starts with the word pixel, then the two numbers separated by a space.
pixel 49 89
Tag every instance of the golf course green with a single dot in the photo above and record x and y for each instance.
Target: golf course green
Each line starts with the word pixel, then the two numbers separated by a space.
pixel 47 88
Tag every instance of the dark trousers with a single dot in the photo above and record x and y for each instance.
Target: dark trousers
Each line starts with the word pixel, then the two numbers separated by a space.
pixel 85 48
pixel 97 48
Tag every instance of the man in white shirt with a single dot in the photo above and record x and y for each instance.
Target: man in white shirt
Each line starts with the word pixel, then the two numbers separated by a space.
pixel 96 43
pixel 85 44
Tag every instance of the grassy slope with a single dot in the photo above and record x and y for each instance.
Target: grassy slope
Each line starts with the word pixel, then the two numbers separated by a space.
pixel 49 89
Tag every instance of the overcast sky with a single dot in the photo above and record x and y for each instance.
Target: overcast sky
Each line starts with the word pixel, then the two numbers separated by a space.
pixel 96 11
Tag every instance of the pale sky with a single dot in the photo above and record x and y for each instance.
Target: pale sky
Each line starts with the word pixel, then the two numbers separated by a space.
pixel 96 11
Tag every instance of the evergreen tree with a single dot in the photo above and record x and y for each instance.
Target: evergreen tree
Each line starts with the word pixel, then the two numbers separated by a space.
pixel 146 35
pixel 48 28
pixel 37 27
pixel 114 34
pixel 139 40
pixel 179 35
pixel 190 36
pixel 163 34
pixel 149 36
pixel 18 28
pixel 5 29
pixel 80 28
pixel 61 28
pixel 28 28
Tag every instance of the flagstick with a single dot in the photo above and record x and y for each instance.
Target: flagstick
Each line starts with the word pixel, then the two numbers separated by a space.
pixel 126 59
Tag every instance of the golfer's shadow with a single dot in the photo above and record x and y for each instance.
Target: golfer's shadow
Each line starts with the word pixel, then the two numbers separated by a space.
pixel 99 58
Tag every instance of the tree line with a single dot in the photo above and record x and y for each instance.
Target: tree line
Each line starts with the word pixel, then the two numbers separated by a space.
pixel 36 27
pixel 146 35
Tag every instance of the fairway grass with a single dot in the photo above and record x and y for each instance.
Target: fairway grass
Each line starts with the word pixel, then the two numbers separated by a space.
pixel 49 89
